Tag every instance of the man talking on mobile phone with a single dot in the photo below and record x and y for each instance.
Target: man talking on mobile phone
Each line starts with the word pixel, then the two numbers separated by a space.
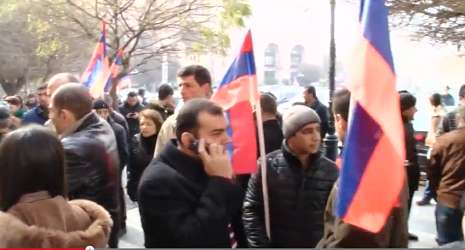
pixel 186 195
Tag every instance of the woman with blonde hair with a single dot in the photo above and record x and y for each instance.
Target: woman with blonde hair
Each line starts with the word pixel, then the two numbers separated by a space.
pixel 142 148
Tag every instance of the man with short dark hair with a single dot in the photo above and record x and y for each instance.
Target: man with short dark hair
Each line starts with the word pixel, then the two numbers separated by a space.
pixel 130 110
pixel 91 151
pixel 312 101
pixel 165 104
pixel 408 110
pixel 141 93
pixel 38 114
pixel 114 114
pixel 446 173
pixel 447 98
pixel 271 125
pixel 449 121
pixel 186 195
pixel 194 82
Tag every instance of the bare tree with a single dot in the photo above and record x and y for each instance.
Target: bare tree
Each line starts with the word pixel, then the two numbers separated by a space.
pixel 145 28
pixel 42 37
pixel 440 20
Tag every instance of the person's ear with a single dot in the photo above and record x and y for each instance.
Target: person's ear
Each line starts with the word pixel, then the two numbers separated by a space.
pixel 207 89
pixel 187 139
pixel 67 115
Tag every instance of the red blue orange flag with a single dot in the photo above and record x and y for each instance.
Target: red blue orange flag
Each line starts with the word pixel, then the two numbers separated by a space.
pixel 237 93
pixel 372 172
pixel 115 69
pixel 97 68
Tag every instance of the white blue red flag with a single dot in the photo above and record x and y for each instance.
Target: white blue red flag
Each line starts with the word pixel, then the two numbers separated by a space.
pixel 97 68
pixel 372 173
pixel 237 93
pixel 115 69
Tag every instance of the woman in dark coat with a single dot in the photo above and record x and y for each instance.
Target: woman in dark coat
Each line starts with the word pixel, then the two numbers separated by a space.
pixel 142 148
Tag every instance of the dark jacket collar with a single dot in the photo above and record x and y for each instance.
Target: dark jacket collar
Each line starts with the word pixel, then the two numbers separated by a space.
pixel 294 162
pixel 88 120
pixel 190 167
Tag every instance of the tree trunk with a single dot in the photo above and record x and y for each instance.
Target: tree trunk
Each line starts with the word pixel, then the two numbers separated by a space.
pixel 13 87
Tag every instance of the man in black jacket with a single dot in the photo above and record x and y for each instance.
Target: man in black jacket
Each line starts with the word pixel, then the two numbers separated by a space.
pixel 312 101
pixel 408 110
pixel 186 195
pixel 299 183
pixel 90 149
pixel 130 110
pixel 103 110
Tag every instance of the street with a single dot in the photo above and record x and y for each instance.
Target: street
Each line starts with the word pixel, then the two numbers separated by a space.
pixel 422 223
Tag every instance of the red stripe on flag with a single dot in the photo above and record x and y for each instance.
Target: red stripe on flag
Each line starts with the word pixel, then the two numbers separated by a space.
pixel 379 188
pixel 247 46
pixel 242 89
pixel 242 124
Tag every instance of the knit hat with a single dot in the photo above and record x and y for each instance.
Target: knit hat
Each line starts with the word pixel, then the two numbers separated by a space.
pixel 296 117
pixel 407 101
pixel 100 104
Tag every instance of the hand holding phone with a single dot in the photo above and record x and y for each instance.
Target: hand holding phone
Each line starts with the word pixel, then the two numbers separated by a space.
pixel 215 160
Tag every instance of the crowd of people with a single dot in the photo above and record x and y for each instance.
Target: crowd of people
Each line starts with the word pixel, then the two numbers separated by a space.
pixel 63 154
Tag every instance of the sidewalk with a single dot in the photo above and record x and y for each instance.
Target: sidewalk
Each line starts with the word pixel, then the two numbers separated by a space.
pixel 422 224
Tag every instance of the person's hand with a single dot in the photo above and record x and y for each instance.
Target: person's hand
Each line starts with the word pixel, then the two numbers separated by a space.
pixel 215 160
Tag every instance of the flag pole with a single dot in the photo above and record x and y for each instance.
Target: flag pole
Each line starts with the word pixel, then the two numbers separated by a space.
pixel 263 168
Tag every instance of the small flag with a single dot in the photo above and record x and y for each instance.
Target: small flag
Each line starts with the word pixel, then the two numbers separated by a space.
pixel 237 93
pixel 115 69
pixel 372 174
pixel 98 65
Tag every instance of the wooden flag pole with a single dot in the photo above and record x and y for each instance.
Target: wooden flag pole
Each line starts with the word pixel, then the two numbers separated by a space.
pixel 263 168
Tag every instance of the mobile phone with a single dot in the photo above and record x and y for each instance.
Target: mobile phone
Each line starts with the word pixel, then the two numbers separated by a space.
pixel 194 146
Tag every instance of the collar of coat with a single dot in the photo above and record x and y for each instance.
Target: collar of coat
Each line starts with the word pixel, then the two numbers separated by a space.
pixel 294 162
pixel 190 167
pixel 15 233
pixel 84 121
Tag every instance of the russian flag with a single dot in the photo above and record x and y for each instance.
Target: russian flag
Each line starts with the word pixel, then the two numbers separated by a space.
pixel 237 93
pixel 97 68
pixel 372 174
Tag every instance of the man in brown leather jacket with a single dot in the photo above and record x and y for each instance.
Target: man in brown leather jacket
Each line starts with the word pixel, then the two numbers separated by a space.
pixel 447 177
pixel 338 234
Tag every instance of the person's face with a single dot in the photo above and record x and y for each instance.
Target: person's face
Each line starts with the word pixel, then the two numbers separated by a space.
pixel 104 113
pixel 409 113
pixel 341 127
pixel 170 101
pixel 212 128
pixel 61 118
pixel 43 98
pixel 308 97
pixel 306 140
pixel 132 100
pixel 147 127
pixel 13 108
pixel 190 88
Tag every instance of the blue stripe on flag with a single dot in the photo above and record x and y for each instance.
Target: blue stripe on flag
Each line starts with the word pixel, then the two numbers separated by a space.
pixel 374 20
pixel 243 65
pixel 95 74
pixel 362 138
